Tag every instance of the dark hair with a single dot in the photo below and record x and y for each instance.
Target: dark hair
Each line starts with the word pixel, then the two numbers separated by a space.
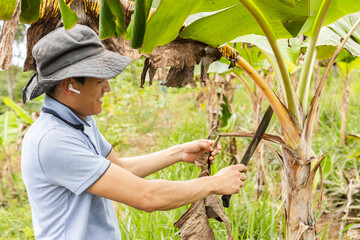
pixel 78 79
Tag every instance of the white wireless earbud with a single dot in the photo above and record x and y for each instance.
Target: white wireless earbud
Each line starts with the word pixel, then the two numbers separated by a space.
pixel 70 87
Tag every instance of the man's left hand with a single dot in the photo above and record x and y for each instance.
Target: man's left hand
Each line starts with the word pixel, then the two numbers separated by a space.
pixel 192 150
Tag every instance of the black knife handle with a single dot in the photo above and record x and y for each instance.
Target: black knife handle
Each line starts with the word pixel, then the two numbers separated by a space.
pixel 226 200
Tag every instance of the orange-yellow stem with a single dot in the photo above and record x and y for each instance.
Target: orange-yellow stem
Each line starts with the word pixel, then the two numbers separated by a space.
pixel 291 133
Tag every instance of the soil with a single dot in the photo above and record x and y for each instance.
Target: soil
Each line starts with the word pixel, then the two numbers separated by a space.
pixel 332 222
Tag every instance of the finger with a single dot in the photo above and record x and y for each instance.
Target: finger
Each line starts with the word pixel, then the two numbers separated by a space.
pixel 242 168
pixel 215 152
pixel 218 146
pixel 211 142
pixel 243 177
pixel 203 145
pixel 207 141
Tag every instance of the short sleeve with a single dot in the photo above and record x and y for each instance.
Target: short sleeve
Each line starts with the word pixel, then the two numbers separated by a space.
pixel 105 146
pixel 67 160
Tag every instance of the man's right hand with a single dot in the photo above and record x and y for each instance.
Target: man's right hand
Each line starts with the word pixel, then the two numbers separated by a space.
pixel 230 179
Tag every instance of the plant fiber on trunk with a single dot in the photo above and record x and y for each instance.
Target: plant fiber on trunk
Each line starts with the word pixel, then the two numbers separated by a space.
pixel 298 209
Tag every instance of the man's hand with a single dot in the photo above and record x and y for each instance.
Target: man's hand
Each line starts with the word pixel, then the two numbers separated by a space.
pixel 192 150
pixel 230 179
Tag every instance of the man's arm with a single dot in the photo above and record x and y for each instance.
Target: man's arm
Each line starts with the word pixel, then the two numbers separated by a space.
pixel 145 165
pixel 150 195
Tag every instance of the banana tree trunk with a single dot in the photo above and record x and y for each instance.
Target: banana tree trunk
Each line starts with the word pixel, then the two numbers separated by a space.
pixel 299 217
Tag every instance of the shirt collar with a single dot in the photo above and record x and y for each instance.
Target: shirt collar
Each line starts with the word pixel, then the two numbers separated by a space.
pixel 65 113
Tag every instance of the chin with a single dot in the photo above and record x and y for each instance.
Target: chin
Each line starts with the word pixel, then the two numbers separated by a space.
pixel 98 112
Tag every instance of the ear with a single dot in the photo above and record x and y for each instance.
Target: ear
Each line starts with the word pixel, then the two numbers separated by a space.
pixel 64 86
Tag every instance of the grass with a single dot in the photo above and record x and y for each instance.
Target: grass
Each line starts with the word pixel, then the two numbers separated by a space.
pixel 139 121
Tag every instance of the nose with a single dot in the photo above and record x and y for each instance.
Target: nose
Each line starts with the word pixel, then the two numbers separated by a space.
pixel 106 86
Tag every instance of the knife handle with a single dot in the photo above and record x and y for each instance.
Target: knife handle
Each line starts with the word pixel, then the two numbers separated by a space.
pixel 226 200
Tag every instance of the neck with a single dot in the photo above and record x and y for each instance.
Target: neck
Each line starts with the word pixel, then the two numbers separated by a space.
pixel 66 103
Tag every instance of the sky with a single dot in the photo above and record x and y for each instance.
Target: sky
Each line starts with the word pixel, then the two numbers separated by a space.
pixel 19 54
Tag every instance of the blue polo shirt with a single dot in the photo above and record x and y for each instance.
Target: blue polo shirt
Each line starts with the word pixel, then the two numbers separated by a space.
pixel 62 156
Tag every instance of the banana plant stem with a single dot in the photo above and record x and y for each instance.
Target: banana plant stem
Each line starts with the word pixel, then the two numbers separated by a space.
pixel 276 70
pixel 305 76
pixel 266 27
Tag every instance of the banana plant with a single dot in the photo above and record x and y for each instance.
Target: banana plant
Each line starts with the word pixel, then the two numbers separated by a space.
pixel 217 23
pixel 276 20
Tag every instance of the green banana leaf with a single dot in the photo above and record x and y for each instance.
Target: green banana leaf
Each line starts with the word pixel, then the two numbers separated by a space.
pixel 228 119
pixel 7 9
pixel 69 17
pixel 230 125
pixel 331 35
pixel 291 48
pixel 155 3
pixel 30 11
pixel 20 113
pixel 164 25
pixel 116 9
pixel 286 20
pixel 8 127
pixel 336 10
pixel 347 67
pixel 230 19
pixel 107 26
pixel 137 34
pixel 251 54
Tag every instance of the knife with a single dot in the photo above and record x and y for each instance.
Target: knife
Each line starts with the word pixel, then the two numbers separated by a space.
pixel 260 131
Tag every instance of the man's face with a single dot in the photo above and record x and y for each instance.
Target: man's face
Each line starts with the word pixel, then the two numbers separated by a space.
pixel 89 102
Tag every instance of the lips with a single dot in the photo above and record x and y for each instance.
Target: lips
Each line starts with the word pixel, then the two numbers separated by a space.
pixel 99 99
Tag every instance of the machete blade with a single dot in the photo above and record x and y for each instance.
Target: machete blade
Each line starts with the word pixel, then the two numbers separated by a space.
pixel 260 131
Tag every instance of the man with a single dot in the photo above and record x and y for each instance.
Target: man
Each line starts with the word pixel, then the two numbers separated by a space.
pixel 71 172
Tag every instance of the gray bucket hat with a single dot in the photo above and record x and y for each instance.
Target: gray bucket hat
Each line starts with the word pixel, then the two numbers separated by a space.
pixel 76 52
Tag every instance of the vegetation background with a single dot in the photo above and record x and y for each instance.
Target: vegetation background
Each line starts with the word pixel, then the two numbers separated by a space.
pixel 142 120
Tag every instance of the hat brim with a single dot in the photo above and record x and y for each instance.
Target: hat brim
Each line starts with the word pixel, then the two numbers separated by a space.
pixel 104 65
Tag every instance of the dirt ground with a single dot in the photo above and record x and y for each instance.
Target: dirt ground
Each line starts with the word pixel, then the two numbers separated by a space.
pixel 333 223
